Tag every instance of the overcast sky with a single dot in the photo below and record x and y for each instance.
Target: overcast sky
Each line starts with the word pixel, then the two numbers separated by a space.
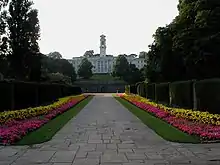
pixel 73 26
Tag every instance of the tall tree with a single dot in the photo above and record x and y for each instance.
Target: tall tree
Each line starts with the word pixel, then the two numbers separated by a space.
pixel 198 37
pixel 89 53
pixel 142 54
pixel 85 69
pixel 133 75
pixel 55 55
pixel 121 66
pixel 23 34
pixel 51 65
pixel 188 48
pixel 153 68
pixel 3 37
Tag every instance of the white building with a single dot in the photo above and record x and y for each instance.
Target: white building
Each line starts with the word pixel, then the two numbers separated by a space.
pixel 104 63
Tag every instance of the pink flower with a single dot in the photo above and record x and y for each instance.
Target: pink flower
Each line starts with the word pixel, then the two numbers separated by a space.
pixel 205 131
pixel 14 130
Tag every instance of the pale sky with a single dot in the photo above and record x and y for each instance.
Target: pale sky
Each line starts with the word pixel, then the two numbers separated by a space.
pixel 73 26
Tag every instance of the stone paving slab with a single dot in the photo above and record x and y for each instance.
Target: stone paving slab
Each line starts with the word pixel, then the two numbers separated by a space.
pixel 105 133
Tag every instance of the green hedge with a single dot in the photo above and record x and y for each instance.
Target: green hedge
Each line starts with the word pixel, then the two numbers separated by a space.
pixel 6 95
pixel 141 89
pixel 25 94
pixel 133 89
pixel 182 94
pixel 162 93
pixel 18 95
pixel 208 95
pixel 150 90
pixel 127 89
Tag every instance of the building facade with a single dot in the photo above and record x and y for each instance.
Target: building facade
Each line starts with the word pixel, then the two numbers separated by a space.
pixel 104 63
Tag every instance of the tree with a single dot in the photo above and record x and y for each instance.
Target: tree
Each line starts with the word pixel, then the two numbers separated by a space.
pixel 127 72
pixel 67 69
pixel 24 33
pixel 153 69
pixel 200 30
pixel 142 54
pixel 62 66
pixel 121 67
pixel 59 78
pixel 133 75
pixel 3 37
pixel 85 69
pixel 55 55
pixel 187 48
pixel 89 53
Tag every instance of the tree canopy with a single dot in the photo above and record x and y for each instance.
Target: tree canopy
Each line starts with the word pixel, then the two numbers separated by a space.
pixel 85 69
pixel 133 75
pixel 121 66
pixel 61 66
pixel 187 48
pixel 24 32
pixel 127 72
pixel 3 37
pixel 89 53
pixel 55 55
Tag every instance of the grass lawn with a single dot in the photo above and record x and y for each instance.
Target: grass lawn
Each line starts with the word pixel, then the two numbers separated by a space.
pixel 165 130
pixel 102 77
pixel 46 132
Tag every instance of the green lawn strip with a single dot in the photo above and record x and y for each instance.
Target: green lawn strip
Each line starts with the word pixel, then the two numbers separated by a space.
pixel 47 131
pixel 102 77
pixel 165 130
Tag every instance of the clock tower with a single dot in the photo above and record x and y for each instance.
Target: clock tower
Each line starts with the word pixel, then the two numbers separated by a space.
pixel 102 46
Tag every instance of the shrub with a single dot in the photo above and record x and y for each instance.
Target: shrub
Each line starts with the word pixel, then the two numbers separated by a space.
pixel 162 93
pixel 141 89
pixel 6 95
pixel 208 95
pixel 127 89
pixel 133 89
pixel 150 91
pixel 25 94
pixel 18 94
pixel 182 94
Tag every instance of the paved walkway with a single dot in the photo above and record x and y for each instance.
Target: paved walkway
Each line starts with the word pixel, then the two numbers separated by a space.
pixel 105 133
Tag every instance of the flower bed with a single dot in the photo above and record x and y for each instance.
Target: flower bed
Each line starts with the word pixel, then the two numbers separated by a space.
pixel 13 127
pixel 177 118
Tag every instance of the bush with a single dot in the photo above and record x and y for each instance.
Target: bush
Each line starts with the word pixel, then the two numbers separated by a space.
pixel 141 89
pixel 127 89
pixel 150 88
pixel 133 89
pixel 48 93
pixel 18 95
pixel 59 78
pixel 25 95
pixel 1 76
pixel 182 94
pixel 208 95
pixel 6 94
pixel 162 93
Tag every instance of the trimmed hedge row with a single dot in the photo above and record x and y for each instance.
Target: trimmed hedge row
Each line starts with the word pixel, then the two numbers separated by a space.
pixel 182 94
pixel 203 95
pixel 208 95
pixel 18 95
pixel 162 93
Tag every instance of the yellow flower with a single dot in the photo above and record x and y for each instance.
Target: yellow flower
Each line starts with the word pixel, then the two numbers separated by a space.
pixel 36 111
pixel 204 117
